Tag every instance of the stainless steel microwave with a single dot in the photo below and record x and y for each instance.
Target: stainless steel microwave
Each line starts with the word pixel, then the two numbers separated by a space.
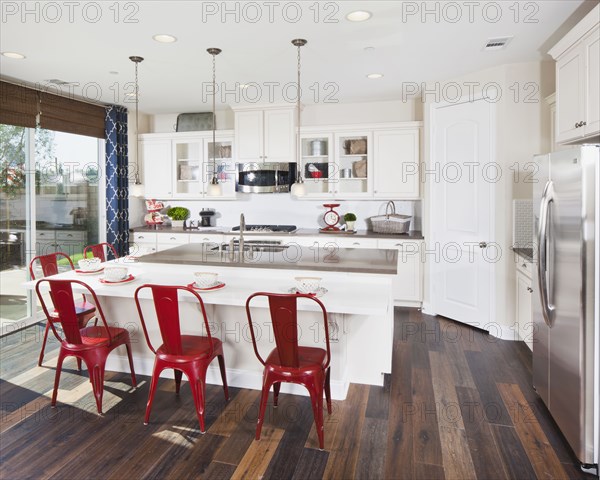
pixel 271 177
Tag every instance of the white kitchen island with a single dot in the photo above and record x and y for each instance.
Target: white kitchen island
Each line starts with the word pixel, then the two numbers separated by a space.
pixel 358 301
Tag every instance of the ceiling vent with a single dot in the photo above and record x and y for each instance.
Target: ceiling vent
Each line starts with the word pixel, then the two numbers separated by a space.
pixel 497 43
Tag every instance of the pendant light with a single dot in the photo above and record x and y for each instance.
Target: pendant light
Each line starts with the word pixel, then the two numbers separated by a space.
pixel 298 188
pixel 214 188
pixel 136 189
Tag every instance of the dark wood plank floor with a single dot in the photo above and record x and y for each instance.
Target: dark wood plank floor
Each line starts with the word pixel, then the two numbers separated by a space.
pixel 458 405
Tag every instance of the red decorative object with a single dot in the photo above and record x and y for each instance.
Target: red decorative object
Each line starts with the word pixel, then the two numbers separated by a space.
pixel 331 217
pixel 288 362
pixel 189 354
pixel 154 217
pixel 90 344
pixel 98 251
pixel 85 310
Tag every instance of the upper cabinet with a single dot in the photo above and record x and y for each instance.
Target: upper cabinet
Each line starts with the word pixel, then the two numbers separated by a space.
pixel 265 134
pixel 180 165
pixel 370 161
pixel 577 58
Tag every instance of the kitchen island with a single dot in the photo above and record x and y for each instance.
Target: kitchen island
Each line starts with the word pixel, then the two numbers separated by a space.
pixel 358 301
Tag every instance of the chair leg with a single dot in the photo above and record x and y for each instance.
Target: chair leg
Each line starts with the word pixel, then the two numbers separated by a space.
pixel 133 380
pixel 197 387
pixel 263 405
pixel 178 375
pixel 78 364
pixel 276 387
pixel 316 399
pixel 61 357
pixel 97 379
pixel 41 359
pixel 153 383
pixel 223 375
pixel 328 390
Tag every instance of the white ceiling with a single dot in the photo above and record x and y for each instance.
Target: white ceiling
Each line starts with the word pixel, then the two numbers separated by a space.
pixel 85 42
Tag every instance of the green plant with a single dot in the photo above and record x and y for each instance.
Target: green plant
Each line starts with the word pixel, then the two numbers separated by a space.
pixel 178 213
pixel 350 217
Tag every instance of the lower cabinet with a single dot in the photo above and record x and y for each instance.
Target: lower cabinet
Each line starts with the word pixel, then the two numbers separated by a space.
pixel 524 292
pixel 408 284
pixel 71 242
pixel 171 240
pixel 142 243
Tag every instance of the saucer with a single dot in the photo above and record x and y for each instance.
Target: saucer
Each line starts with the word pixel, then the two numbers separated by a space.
pixel 319 293
pixel 216 286
pixel 89 272
pixel 130 278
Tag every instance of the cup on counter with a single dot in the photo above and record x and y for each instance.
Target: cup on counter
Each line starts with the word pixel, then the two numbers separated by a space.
pixel 115 273
pixel 205 279
pixel 308 284
pixel 89 264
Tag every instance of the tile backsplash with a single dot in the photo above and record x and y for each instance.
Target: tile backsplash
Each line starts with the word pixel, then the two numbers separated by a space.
pixel 522 223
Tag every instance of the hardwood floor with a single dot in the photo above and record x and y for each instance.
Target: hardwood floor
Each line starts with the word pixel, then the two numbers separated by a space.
pixel 458 405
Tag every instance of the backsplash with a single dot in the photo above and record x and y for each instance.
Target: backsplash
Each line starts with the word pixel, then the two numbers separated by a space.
pixel 522 223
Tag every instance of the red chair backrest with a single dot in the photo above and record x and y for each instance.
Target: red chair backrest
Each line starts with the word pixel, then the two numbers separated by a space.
pixel 166 305
pixel 98 251
pixel 48 263
pixel 284 316
pixel 61 293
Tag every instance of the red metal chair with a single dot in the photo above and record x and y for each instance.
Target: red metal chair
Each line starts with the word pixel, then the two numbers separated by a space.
pixel 48 264
pixel 288 362
pixel 189 354
pixel 98 251
pixel 90 344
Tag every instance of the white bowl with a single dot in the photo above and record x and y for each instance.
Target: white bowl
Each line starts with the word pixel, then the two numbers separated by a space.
pixel 115 274
pixel 308 284
pixel 206 279
pixel 89 264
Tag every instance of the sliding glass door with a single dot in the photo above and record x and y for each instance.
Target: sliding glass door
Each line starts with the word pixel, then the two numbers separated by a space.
pixel 52 190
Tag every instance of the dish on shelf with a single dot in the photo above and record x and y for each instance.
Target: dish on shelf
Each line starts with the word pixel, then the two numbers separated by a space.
pixel 129 278
pixel 89 272
pixel 218 286
pixel 319 293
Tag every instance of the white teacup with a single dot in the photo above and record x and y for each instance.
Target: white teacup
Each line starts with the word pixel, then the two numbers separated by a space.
pixel 308 284
pixel 206 279
pixel 89 264
pixel 114 274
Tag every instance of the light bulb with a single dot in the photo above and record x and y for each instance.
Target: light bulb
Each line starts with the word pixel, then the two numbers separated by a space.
pixel 136 190
pixel 214 190
pixel 298 189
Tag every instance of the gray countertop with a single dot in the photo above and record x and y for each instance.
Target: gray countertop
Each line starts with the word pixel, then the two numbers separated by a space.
pixel 307 232
pixel 525 252
pixel 347 260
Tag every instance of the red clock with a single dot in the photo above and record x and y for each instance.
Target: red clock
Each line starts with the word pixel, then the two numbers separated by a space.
pixel 331 217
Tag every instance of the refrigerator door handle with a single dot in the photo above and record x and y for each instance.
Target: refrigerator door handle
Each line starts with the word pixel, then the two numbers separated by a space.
pixel 544 276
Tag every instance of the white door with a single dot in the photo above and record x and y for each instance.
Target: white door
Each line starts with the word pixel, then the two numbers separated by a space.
pixel 570 86
pixel 156 156
pixel 396 159
pixel 461 177
pixel 249 136
pixel 280 141
pixel 592 105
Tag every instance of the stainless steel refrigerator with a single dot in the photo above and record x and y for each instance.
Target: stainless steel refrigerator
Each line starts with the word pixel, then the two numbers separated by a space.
pixel 565 199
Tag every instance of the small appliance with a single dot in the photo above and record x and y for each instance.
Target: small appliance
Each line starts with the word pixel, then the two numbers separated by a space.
pixel 207 215
pixel 271 177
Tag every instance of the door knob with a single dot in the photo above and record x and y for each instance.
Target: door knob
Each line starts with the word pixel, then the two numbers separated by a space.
pixel 530 290
pixel 482 244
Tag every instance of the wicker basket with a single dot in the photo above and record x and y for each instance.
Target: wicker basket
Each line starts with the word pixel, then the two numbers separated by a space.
pixel 391 222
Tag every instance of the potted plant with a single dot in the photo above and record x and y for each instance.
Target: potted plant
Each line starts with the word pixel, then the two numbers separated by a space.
pixel 350 220
pixel 178 216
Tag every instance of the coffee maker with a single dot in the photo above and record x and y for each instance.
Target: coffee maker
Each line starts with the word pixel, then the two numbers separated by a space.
pixel 206 216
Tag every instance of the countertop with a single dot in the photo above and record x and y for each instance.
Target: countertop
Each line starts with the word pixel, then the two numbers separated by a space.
pixel 306 232
pixel 526 253
pixel 346 260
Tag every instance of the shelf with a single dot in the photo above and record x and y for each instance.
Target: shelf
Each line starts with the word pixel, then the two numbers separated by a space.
pixel 315 156
pixel 187 181
pixel 189 160
pixel 353 178
pixel 353 155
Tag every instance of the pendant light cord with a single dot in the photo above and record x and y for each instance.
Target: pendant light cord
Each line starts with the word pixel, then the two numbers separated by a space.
pixel 299 146
pixel 214 145
pixel 137 60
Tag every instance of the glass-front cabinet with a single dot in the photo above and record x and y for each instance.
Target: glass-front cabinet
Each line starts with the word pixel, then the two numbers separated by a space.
pixel 224 164
pixel 188 156
pixel 317 164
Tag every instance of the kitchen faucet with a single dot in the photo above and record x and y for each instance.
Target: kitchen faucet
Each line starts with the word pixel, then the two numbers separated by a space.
pixel 242 228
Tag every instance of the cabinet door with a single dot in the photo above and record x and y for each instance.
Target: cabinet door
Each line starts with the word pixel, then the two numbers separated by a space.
pixel 523 309
pixel 570 102
pixel 396 164
pixel 279 137
pixel 249 136
pixel 407 284
pixel 592 102
pixel 224 163
pixel 316 164
pixel 158 168
pixel 354 165
pixel 188 162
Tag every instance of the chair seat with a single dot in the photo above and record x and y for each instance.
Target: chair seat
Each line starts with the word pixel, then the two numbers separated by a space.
pixel 81 308
pixel 192 347
pixel 96 336
pixel 309 358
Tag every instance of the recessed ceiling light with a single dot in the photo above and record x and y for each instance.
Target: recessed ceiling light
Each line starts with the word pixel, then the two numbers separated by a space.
pixel 15 55
pixel 244 85
pixel 113 72
pixel 369 49
pixel 375 75
pixel 164 38
pixel 358 16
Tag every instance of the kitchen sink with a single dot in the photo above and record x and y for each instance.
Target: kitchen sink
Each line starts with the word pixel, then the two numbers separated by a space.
pixel 252 246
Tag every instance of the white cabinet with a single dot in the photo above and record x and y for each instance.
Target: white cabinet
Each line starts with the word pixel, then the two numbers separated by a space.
pixel 396 154
pixel 165 241
pixel 408 282
pixel 265 134
pixel 523 297
pixel 158 169
pixel 577 58
pixel 142 243
pixel 180 165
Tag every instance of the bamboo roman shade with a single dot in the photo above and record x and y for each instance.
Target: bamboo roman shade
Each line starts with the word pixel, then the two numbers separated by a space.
pixel 20 105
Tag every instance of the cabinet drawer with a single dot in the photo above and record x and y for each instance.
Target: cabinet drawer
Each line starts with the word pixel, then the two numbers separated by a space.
pixel 44 235
pixel 206 238
pixel 396 243
pixel 525 267
pixel 71 236
pixel 351 242
pixel 173 238
pixel 144 237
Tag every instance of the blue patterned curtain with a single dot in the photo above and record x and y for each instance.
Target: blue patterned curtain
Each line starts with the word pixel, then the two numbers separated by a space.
pixel 117 182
